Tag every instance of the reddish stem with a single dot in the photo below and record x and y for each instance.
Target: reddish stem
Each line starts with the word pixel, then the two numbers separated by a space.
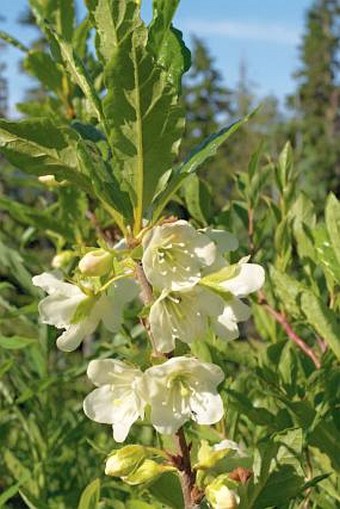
pixel 282 320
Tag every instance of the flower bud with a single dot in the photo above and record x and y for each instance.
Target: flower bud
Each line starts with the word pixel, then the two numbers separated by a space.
pixel 96 263
pixel 61 259
pixel 220 496
pixel 125 461
pixel 146 472
pixel 209 456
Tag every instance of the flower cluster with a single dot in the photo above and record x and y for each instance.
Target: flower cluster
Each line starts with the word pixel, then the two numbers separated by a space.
pixel 195 289
pixel 195 286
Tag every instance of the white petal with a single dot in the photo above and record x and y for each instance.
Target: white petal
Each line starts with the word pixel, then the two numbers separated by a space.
pixel 111 306
pixel 250 278
pixel 165 420
pixel 74 335
pixel 205 249
pixel 161 327
pixel 51 284
pixel 58 310
pixel 111 371
pixel 207 407
pixel 99 405
pixel 225 325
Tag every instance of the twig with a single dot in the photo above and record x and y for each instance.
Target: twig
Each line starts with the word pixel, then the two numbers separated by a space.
pixel 187 475
pixel 282 320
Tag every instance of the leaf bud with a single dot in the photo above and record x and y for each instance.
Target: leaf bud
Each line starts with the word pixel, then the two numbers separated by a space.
pixel 96 263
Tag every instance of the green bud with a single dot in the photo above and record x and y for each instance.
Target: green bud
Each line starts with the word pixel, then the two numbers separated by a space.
pixel 146 472
pixel 220 496
pixel 96 263
pixel 209 456
pixel 125 461
pixel 61 259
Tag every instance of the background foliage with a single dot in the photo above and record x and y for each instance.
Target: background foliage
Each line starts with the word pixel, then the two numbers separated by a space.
pixel 282 375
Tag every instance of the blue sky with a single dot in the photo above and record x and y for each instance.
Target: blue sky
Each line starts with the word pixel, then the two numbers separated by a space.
pixel 265 34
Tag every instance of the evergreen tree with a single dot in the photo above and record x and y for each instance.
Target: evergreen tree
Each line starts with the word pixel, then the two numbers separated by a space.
pixel 318 98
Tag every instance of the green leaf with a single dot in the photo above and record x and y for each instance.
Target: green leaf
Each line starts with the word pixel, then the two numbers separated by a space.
pixel 42 220
pixel 90 497
pixel 65 18
pixel 281 486
pixel 167 490
pixel 196 158
pixel 166 42
pixel 16 342
pixel 285 167
pixel 37 146
pixel 198 200
pixel 43 67
pixel 326 254
pixel 142 111
pixel 77 71
pixel 287 289
pixel 332 216
pixel 13 41
pixel 322 319
pixel 11 260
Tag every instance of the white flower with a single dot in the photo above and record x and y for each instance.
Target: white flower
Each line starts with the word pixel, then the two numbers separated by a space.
pixel 117 400
pixel 174 255
pixel 183 388
pixel 233 282
pixel 182 315
pixel 68 307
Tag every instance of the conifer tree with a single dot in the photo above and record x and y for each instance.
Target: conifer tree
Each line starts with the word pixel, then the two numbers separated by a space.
pixel 318 98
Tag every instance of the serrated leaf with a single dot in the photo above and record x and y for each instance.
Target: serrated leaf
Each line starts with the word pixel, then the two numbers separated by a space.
pixel 325 253
pixel 142 111
pixel 90 497
pixel 322 319
pixel 76 69
pixel 166 42
pixel 37 146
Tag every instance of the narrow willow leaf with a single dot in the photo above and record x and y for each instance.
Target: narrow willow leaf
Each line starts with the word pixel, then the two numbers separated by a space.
pixel 43 67
pixel 42 220
pixel 198 200
pixel 11 260
pixel 65 19
pixel 37 146
pixel 13 41
pixel 196 158
pixel 332 216
pixel 90 496
pixel 322 319
pixel 15 342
